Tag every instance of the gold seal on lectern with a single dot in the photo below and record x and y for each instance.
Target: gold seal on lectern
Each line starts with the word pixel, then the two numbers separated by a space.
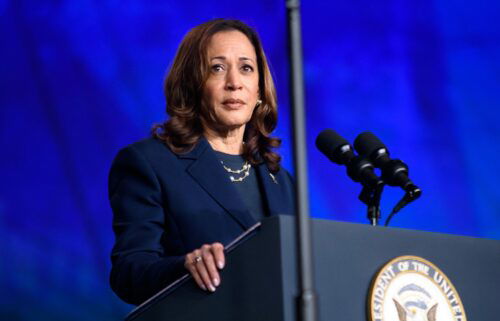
pixel 410 288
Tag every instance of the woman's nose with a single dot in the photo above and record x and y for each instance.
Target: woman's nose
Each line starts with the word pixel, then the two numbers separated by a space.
pixel 233 80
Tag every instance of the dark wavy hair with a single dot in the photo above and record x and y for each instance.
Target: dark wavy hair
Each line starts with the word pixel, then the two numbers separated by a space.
pixel 183 89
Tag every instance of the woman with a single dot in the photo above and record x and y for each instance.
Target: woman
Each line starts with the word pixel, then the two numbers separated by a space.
pixel 207 174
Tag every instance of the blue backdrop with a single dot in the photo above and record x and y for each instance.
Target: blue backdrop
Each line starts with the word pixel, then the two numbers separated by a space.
pixel 80 79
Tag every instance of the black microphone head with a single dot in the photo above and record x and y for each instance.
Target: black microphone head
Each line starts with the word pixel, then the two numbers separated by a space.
pixel 367 144
pixel 334 146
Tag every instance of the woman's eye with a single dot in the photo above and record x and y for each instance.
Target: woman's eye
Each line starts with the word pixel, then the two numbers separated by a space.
pixel 247 68
pixel 217 68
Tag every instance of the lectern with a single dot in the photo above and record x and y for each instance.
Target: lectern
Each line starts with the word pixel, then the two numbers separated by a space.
pixel 259 281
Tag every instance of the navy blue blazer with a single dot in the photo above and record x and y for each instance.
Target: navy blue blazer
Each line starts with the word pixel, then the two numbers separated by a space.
pixel 166 205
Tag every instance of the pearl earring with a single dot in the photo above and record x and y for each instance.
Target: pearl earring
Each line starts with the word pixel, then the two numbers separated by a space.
pixel 259 102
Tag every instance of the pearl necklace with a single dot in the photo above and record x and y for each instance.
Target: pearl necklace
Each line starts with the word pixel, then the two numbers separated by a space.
pixel 245 170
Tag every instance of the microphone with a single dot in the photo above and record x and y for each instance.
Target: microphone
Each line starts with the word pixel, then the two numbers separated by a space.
pixel 394 171
pixel 339 151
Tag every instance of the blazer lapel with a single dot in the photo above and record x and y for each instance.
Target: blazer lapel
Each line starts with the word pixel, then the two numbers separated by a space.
pixel 273 191
pixel 207 171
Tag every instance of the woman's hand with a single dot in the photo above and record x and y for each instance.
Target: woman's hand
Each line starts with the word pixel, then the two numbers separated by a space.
pixel 204 265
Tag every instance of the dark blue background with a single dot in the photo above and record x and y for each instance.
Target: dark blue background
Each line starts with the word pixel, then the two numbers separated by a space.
pixel 80 79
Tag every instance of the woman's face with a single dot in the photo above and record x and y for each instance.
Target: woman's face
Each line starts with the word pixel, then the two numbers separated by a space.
pixel 232 88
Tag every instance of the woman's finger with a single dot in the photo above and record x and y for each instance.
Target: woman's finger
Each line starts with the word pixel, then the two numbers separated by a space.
pixel 209 261
pixel 218 252
pixel 190 266
pixel 200 267
pixel 197 278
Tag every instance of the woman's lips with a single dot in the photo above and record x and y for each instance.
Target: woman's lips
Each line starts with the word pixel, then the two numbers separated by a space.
pixel 233 103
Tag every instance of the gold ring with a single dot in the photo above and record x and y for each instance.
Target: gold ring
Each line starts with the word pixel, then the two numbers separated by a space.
pixel 197 259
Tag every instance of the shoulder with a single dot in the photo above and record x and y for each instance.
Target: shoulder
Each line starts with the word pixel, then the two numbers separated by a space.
pixel 152 156
pixel 142 159
pixel 149 148
pixel 150 151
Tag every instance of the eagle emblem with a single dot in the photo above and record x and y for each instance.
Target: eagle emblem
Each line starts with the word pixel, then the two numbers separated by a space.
pixel 415 304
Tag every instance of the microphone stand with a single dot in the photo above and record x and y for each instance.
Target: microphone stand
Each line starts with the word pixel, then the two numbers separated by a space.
pixel 307 298
pixel 371 197
pixel 360 169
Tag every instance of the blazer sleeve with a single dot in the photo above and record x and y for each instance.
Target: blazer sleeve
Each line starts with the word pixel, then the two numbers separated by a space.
pixel 140 265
